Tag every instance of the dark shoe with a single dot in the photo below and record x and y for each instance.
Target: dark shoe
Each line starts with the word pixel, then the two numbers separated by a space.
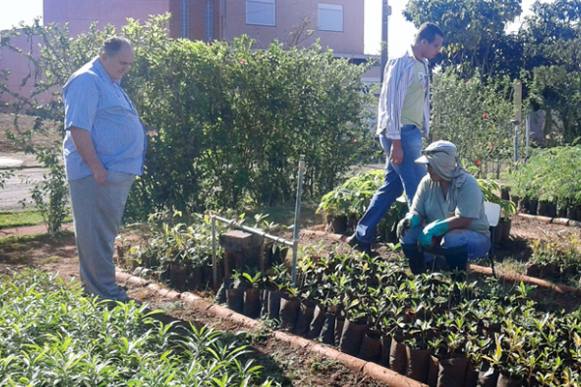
pixel 415 258
pixel 457 258
pixel 357 245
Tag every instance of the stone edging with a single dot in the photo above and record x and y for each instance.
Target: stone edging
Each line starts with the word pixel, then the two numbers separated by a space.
pixel 547 219
pixel 370 369
pixel 515 277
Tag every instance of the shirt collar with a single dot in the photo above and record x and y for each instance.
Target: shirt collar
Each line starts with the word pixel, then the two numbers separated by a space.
pixel 410 54
pixel 100 70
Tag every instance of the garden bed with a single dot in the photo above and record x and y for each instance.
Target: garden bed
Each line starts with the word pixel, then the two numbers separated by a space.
pixel 341 296
pixel 35 255
pixel 280 360
pixel 53 334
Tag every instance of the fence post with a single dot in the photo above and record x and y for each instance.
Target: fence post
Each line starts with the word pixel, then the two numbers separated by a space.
pixel 214 259
pixel 297 217
pixel 517 118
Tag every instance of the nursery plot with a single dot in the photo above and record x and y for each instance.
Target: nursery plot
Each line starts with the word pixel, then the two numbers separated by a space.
pixel 53 334
pixel 279 360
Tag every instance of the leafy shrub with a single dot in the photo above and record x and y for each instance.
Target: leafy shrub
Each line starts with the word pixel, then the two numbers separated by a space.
pixel 177 242
pixel 474 116
pixel 233 121
pixel 351 198
pixel 53 335
pixel 551 175
pixel 491 189
pixel 550 260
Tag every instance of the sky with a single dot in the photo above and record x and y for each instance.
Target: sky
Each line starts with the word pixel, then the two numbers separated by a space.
pixel 400 35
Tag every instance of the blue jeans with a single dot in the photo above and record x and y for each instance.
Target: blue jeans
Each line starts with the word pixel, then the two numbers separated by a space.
pixel 405 176
pixel 477 244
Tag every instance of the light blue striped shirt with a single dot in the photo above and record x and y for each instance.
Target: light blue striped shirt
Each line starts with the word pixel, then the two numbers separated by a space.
pixel 398 75
pixel 96 103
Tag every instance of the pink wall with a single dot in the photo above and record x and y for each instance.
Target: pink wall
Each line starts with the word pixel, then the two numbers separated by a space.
pixel 289 15
pixel 229 21
pixel 18 66
pixel 80 13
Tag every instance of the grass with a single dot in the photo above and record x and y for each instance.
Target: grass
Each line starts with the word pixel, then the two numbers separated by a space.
pixel 22 241
pixel 24 218
pixel 20 218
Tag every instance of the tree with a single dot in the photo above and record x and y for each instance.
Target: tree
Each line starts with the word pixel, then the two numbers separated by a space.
pixel 552 42
pixel 475 34
pixel 552 35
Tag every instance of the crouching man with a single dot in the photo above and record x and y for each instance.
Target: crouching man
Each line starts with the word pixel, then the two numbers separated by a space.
pixel 447 214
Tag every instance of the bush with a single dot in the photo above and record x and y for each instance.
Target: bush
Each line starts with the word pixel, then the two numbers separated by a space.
pixel 550 175
pixel 474 116
pixel 233 121
pixel 350 200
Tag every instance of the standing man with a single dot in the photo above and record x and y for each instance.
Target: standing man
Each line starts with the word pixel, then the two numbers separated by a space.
pixel 103 152
pixel 403 115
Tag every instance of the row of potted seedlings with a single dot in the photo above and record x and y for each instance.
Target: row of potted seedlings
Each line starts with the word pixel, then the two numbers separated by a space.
pixel 548 183
pixel 178 251
pixel 430 328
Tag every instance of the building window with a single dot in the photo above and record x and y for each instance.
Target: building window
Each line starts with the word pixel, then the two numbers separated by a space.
pixel 261 12
pixel 330 17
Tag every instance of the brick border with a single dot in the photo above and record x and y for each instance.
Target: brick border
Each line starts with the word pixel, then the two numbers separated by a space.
pixel 515 277
pixel 369 369
pixel 547 219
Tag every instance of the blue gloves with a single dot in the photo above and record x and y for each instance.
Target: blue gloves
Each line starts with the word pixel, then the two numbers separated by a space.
pixel 410 220
pixel 435 229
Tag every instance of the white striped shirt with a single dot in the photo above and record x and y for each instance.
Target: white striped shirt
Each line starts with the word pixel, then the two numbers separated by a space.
pixel 397 77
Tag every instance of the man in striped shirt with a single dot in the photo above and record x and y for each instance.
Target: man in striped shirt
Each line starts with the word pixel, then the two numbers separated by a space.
pixel 403 116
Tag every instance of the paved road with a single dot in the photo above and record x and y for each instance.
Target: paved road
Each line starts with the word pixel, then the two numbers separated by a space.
pixel 18 187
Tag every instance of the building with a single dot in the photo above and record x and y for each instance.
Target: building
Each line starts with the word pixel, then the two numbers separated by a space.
pixel 339 24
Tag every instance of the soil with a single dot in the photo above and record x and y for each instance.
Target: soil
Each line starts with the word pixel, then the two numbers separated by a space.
pixel 529 229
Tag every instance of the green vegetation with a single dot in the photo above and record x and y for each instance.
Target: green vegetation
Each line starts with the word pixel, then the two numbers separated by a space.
pixel 484 321
pixel 232 120
pixel 53 335
pixel 20 218
pixel 551 175
pixel 178 249
pixel 559 264
pixel 350 199
pixel 474 116
pixel 543 53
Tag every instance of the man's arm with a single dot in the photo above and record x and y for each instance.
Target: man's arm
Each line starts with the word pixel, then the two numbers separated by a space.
pixel 84 144
pixel 392 97
pixel 456 222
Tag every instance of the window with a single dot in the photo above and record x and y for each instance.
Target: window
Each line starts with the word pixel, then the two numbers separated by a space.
pixel 261 12
pixel 330 17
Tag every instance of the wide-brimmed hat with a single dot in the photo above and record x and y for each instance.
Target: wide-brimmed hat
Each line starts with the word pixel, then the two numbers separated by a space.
pixel 440 149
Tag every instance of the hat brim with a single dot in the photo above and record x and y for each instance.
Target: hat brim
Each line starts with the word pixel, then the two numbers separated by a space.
pixel 422 160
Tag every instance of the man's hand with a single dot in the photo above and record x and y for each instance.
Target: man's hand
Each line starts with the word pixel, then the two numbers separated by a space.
pixel 86 148
pixel 100 174
pixel 435 229
pixel 396 152
pixel 411 220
